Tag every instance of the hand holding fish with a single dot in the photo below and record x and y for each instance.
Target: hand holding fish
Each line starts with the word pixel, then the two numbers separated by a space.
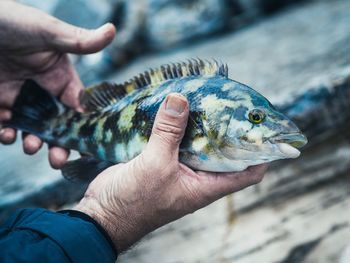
pixel 35 45
pixel 132 199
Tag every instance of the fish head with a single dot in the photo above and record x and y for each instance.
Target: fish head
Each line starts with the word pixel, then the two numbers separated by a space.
pixel 251 129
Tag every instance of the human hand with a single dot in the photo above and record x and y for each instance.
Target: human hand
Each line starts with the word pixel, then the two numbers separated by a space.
pixel 35 45
pixel 130 200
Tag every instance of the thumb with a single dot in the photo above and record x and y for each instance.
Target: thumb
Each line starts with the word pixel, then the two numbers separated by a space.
pixel 71 39
pixel 169 127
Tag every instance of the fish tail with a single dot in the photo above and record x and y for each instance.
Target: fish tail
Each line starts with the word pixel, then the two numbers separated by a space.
pixel 33 109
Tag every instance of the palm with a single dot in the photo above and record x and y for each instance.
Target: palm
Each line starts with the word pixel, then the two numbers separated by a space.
pixel 217 185
pixel 35 45
pixel 44 67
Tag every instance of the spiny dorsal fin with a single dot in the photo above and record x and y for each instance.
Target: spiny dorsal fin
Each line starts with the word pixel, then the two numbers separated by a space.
pixel 194 67
pixel 101 96
pixel 106 94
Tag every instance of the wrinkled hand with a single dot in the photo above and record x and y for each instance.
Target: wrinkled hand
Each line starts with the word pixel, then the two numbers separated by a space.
pixel 132 199
pixel 35 45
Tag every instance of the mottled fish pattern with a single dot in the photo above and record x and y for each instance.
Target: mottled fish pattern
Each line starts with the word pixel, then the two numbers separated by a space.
pixel 231 126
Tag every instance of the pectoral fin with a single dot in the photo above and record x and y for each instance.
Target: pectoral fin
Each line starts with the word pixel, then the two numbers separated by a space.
pixel 84 169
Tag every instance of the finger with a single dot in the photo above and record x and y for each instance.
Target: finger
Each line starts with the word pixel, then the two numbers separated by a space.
pixel 62 80
pixel 31 143
pixel 4 115
pixel 8 93
pixel 7 136
pixel 169 127
pixel 71 92
pixel 71 39
pixel 58 157
pixel 221 184
pixel 46 32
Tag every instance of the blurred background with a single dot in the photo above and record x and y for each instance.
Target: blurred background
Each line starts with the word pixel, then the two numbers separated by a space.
pixel 297 54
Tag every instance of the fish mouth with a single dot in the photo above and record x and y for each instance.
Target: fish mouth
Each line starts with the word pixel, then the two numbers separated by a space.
pixel 296 140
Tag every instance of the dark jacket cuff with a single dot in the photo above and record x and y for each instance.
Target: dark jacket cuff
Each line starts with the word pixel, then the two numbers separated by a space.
pixel 83 216
pixel 75 234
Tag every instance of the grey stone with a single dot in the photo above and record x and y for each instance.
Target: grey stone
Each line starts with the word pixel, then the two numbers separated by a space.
pixel 88 13
pixel 169 22
pixel 155 25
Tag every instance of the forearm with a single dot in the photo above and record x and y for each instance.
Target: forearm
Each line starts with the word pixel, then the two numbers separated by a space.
pixel 53 237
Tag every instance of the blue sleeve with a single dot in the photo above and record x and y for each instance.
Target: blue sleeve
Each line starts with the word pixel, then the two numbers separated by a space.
pixel 39 235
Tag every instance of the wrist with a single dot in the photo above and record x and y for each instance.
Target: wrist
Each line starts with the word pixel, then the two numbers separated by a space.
pixel 123 233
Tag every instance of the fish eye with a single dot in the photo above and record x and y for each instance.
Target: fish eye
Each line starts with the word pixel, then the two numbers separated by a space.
pixel 256 116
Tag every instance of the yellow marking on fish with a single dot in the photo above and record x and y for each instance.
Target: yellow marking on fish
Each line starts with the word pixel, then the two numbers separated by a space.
pixel 237 124
pixel 126 116
pixel 98 133
pixel 200 143
pixel 184 70
pixel 193 85
pixel 212 104
pixel 228 86
pixel 255 135
pixel 130 87
pixel 209 70
pixel 156 76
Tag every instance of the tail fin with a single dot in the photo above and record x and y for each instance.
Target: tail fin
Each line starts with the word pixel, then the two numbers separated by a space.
pixel 32 109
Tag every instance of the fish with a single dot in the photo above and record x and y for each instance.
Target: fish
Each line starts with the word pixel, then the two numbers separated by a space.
pixel 230 127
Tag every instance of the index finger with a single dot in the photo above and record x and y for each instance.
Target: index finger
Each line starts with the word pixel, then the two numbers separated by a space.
pixel 221 184
pixel 62 80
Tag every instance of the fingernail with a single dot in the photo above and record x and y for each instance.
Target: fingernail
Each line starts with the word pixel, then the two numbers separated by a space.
pixel 175 104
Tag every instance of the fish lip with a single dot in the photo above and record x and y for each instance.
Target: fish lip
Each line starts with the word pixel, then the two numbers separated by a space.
pixel 296 139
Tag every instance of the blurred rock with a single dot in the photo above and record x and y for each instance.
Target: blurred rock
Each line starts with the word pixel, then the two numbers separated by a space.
pixel 88 14
pixel 83 13
pixel 345 256
pixel 171 22
pixel 156 25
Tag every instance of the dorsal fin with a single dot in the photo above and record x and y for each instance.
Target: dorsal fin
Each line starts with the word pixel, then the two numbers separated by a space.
pixel 104 95
pixel 101 96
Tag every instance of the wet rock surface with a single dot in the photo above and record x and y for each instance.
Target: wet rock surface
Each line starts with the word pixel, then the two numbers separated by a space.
pixel 300 60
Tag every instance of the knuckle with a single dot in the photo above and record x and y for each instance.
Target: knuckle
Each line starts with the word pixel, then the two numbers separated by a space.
pixel 168 131
pixel 80 40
